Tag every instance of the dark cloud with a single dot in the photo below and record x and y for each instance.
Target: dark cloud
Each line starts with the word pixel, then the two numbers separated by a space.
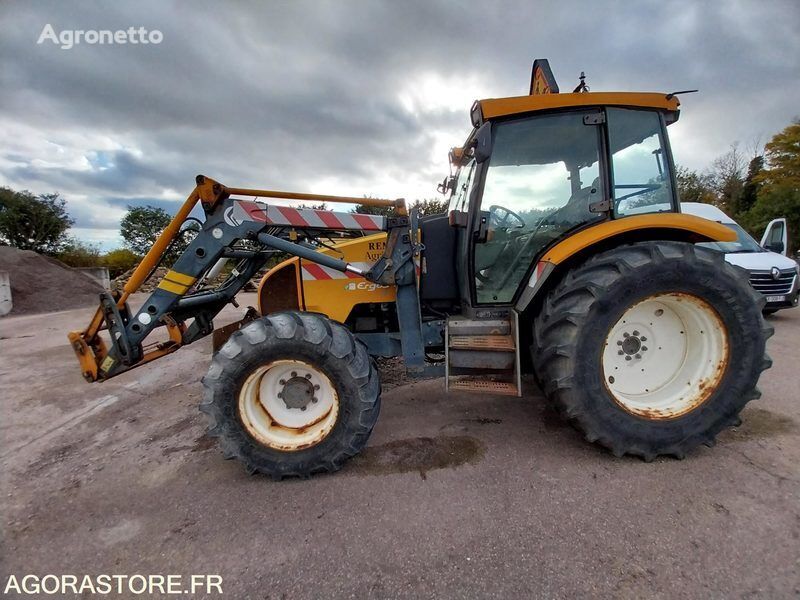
pixel 361 97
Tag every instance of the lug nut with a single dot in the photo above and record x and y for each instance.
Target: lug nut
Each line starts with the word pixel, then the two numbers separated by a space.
pixel 316 387
pixel 282 382
pixel 308 375
pixel 626 335
pixel 280 394
pixel 644 348
pixel 619 342
pixel 638 356
pixel 644 339
pixel 627 357
pixel 294 373
pixel 620 352
pixel 635 332
pixel 302 408
pixel 314 399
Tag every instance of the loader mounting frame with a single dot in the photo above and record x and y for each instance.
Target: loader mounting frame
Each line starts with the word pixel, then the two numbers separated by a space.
pixel 185 303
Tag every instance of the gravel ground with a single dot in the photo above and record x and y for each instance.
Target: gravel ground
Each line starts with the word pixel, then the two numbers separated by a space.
pixel 455 496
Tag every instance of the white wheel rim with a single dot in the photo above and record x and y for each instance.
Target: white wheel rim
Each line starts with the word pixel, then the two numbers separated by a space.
pixel 665 356
pixel 288 405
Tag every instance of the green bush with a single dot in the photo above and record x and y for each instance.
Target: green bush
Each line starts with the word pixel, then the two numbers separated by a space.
pixel 75 253
pixel 120 261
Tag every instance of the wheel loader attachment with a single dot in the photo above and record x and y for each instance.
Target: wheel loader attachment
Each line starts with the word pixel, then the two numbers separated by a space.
pixel 183 306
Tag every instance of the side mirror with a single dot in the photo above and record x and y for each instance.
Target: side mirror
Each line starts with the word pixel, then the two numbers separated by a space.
pixel 774 247
pixel 483 146
pixel 447 184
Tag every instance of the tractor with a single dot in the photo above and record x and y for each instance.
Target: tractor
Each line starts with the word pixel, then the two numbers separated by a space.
pixel 563 255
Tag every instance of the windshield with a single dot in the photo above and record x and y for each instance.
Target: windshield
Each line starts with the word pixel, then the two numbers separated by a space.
pixel 743 243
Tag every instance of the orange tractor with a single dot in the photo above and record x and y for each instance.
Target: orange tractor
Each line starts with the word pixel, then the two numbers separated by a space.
pixel 563 253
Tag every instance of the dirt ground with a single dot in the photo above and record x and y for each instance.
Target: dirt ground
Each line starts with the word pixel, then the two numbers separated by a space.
pixel 455 496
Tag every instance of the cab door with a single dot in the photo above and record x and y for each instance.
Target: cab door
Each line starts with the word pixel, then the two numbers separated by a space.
pixel 776 238
pixel 545 178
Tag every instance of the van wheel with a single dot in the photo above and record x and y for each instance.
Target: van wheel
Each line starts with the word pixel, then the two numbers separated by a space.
pixel 291 394
pixel 652 348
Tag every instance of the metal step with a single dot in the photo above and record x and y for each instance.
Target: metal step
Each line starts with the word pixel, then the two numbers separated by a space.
pixel 481 354
pixel 484 386
pixel 481 359
pixel 462 326
pixel 500 343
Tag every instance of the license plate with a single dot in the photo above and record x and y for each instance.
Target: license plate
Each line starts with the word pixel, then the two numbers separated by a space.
pixel 776 298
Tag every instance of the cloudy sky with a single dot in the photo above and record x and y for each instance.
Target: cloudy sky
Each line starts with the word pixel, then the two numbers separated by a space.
pixel 351 97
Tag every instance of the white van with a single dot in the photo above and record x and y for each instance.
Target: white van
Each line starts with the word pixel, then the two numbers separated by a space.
pixel 771 272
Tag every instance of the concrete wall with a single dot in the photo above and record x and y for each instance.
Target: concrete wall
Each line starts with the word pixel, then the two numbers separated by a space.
pixel 5 293
pixel 99 274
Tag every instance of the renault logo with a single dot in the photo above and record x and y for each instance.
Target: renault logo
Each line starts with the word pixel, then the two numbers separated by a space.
pixel 776 273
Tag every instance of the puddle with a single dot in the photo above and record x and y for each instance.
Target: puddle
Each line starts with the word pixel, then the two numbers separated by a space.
pixel 762 423
pixel 201 444
pixel 420 455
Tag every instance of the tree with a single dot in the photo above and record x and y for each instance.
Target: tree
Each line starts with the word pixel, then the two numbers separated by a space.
pixel 727 180
pixel 752 184
pixel 783 158
pixel 694 186
pixel 779 192
pixel 430 206
pixel 141 226
pixel 30 222
pixel 374 210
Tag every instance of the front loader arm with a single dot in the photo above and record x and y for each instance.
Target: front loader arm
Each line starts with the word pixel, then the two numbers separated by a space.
pixel 242 230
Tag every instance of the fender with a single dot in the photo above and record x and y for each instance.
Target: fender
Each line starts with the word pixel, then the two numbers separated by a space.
pixel 647 226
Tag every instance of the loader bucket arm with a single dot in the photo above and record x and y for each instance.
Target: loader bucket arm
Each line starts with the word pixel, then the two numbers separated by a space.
pixel 185 302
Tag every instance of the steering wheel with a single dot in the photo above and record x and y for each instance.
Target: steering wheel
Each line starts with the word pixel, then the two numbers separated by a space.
pixel 502 218
pixel 502 215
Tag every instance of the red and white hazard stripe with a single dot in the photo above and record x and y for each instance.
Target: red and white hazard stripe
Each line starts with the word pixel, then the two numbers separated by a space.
pixel 247 210
pixel 313 272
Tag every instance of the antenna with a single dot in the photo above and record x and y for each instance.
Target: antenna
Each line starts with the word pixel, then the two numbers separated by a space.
pixel 671 95
pixel 582 87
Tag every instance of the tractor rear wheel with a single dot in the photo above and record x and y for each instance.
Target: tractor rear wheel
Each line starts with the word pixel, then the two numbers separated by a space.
pixel 292 394
pixel 652 348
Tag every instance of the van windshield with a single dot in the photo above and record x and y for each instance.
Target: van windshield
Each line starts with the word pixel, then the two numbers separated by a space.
pixel 743 242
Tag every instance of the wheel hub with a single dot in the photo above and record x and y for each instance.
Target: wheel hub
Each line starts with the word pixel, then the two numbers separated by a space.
pixel 298 392
pixel 288 405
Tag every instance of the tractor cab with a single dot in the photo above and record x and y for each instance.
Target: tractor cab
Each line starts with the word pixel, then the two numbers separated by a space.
pixel 538 168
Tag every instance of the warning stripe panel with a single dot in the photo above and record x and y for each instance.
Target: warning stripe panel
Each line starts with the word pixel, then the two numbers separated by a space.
pixel 314 272
pixel 306 217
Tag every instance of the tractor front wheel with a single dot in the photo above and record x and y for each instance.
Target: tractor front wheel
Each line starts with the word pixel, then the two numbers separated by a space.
pixel 291 394
pixel 652 348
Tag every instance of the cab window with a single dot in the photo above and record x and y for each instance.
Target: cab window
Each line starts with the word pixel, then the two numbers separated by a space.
pixel 640 170
pixel 460 196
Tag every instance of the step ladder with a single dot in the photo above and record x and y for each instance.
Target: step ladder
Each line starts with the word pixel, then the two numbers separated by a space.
pixel 482 354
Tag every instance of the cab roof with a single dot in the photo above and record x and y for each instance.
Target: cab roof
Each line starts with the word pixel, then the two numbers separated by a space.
pixel 493 108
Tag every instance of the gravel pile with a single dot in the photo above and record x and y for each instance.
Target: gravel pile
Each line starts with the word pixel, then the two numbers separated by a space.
pixel 43 284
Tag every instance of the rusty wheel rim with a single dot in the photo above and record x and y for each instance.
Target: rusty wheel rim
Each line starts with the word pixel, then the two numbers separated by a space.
pixel 288 405
pixel 665 356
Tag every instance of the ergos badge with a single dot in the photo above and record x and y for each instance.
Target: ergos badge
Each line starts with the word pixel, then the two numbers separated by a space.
pixel 364 286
